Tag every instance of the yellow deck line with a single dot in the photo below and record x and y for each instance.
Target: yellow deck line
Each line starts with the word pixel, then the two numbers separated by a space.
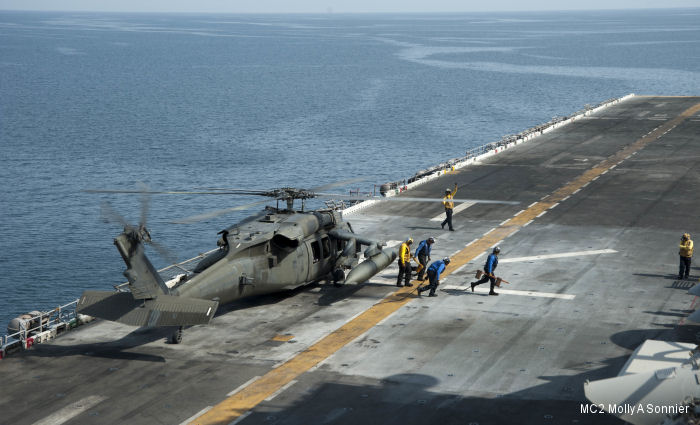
pixel 249 397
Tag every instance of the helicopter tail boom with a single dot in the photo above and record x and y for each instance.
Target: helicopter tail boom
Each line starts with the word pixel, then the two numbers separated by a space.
pixel 164 310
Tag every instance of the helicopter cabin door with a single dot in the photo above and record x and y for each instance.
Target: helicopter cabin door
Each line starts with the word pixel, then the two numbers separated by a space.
pixel 319 248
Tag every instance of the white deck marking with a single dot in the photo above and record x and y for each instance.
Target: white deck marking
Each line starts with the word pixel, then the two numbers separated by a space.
pixel 391 244
pixel 196 415
pixel 278 392
pixel 72 410
pixel 484 289
pixel 250 381
pixel 541 214
pixel 457 208
pixel 553 206
pixel 471 242
pixel 240 418
pixel 561 255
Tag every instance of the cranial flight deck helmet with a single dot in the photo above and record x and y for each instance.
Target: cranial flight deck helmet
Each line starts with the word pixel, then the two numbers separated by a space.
pixel 496 250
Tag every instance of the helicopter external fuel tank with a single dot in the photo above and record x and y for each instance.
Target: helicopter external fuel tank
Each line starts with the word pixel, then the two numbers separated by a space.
pixel 371 266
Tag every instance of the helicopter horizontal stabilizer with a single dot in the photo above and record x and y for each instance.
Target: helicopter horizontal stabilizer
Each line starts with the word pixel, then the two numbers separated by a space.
pixel 164 310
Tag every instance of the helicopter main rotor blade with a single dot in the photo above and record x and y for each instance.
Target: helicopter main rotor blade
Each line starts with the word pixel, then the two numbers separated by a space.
pixel 145 203
pixel 271 192
pixel 212 214
pixel 179 192
pixel 338 184
pixel 164 252
pixel 410 199
pixel 110 215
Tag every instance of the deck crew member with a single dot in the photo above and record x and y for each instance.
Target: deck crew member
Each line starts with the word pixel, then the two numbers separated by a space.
pixel 423 255
pixel 686 253
pixel 434 276
pixel 405 263
pixel 449 206
pixel 489 268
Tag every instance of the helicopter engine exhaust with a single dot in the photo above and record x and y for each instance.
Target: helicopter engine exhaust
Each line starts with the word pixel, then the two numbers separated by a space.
pixel 371 266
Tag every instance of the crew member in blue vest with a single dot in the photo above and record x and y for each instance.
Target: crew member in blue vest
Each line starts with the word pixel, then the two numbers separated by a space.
pixel 423 255
pixel 434 276
pixel 489 268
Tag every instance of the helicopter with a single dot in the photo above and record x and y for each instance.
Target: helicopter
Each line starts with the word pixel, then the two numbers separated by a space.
pixel 279 248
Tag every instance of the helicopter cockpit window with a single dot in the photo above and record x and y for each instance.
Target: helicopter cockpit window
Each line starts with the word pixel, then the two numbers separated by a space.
pixel 326 247
pixel 316 251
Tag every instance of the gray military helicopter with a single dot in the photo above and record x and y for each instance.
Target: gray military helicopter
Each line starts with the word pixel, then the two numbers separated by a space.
pixel 279 248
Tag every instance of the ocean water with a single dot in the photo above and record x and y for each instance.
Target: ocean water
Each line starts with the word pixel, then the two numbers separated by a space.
pixel 262 101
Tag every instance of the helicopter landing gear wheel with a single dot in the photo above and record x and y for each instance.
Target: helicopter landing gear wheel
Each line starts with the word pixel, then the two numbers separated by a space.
pixel 176 337
pixel 338 277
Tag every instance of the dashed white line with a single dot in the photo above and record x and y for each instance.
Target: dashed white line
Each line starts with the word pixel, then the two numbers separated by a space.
pixel 240 418
pixel 553 206
pixel 471 242
pixel 489 231
pixel 576 191
pixel 518 213
pixel 541 214
pixel 504 222
pixel 569 196
pixel 531 205
pixel 282 389
pixel 604 172
pixel 527 223
pixel 250 381
pixel 196 415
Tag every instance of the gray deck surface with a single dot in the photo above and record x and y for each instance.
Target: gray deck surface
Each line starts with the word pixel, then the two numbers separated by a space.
pixel 460 358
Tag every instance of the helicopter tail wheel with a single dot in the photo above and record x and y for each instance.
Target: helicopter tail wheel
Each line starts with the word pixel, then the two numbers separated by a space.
pixel 176 337
pixel 338 277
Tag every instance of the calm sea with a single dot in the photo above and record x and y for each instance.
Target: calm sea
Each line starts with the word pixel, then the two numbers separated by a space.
pixel 261 101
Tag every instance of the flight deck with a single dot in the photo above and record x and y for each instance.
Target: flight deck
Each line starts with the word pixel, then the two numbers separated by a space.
pixel 590 249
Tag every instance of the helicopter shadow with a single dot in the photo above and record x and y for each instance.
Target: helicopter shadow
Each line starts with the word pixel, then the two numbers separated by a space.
pixel 115 349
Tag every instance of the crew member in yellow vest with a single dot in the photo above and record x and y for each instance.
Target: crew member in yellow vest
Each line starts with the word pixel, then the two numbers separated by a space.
pixel 405 263
pixel 449 206
pixel 686 253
